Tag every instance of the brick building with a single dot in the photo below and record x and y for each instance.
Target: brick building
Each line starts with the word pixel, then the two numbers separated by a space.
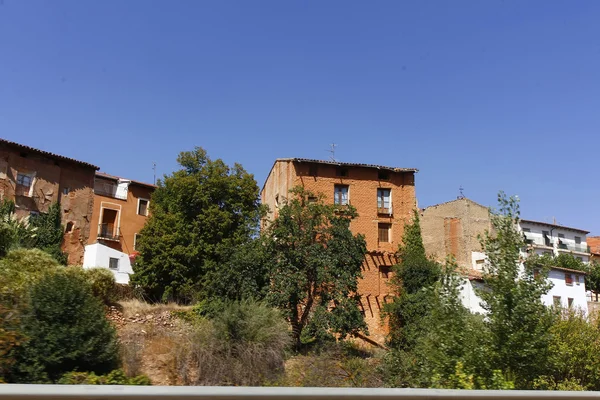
pixel 34 179
pixel 384 198
pixel 119 214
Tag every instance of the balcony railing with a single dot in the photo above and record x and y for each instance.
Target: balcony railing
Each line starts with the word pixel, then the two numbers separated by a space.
pixel 118 392
pixel 108 232
pixel 574 247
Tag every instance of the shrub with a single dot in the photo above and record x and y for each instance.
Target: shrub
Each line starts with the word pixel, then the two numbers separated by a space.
pixel 66 330
pixel 21 268
pixel 103 284
pixel 116 377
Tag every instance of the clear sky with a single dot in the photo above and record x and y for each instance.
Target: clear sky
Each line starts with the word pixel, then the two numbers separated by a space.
pixel 490 95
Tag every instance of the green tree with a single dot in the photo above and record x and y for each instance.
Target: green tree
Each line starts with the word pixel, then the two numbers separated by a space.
pixel 592 279
pixel 518 322
pixel 316 263
pixel 198 216
pixel 50 232
pixel 66 330
pixel 15 232
pixel 414 275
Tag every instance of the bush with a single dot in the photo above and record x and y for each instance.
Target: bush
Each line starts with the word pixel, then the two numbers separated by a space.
pixel 20 269
pixel 116 377
pixel 243 344
pixel 66 330
pixel 103 284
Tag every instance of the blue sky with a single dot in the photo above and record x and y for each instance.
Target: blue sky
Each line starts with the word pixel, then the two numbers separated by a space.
pixel 490 95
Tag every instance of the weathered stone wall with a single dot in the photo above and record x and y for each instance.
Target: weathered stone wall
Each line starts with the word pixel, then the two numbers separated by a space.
pixel 452 228
pixel 55 179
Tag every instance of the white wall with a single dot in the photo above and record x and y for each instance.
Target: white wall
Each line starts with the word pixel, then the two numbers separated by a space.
pixel 469 298
pixel 97 256
pixel 560 288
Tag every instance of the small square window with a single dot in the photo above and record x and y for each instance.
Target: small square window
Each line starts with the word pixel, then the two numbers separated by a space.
pixel 384 232
pixel 556 300
pixel 343 172
pixel 143 207
pixel 570 301
pixel 66 190
pixel 312 199
pixel 383 175
pixel 578 239
pixel 479 264
pixel 569 279
pixel 526 230
pixel 561 235
pixel 577 280
pixel 385 271
pixel 113 263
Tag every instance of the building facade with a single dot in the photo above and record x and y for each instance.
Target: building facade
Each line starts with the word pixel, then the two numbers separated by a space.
pixel 384 198
pixel 120 212
pixel 453 229
pixel 34 179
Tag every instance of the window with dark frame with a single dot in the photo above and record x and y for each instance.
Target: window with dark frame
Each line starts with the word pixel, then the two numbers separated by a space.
pixel 569 279
pixel 570 301
pixel 143 207
pixel 24 179
pixel 546 235
pixel 384 232
pixel 340 195
pixel 113 263
pixel 312 199
pixel 577 239
pixel 577 280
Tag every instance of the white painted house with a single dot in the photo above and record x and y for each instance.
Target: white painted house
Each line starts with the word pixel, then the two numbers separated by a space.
pixel 568 287
pixel 100 256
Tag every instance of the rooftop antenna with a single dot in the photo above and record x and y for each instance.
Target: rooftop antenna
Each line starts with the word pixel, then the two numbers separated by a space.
pixel 461 195
pixel 154 169
pixel 332 151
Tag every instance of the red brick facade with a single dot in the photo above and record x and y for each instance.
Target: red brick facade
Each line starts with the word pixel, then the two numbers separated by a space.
pixel 364 185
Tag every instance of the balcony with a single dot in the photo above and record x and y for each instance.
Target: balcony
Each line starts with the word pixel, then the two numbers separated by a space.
pixel 580 248
pixel 384 210
pixel 108 232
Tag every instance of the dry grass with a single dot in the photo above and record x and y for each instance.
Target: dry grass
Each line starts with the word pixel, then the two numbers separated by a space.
pixel 132 307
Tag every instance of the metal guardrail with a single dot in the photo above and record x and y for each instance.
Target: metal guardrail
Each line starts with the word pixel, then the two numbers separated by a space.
pixel 76 392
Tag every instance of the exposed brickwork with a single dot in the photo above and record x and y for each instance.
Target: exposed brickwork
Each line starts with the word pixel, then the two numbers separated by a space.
pixel 55 178
pixel 362 183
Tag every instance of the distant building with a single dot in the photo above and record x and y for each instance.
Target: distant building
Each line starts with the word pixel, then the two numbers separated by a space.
pixel 384 198
pixel 453 229
pixel 34 179
pixel 120 212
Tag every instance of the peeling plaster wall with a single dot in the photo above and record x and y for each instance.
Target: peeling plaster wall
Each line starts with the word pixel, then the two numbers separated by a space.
pixel 54 180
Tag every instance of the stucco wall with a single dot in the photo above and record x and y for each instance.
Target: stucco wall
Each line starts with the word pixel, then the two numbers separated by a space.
pixel 564 291
pixel 55 180
pixel 98 256
pixel 452 228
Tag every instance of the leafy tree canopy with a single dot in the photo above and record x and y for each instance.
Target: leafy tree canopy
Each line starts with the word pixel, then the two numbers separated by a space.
pixel 198 216
pixel 316 263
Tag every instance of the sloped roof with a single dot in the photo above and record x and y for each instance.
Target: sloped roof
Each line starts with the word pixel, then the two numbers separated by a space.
pixel 47 153
pixel 348 164
pixel 529 221
pixel 455 200
pixel 116 178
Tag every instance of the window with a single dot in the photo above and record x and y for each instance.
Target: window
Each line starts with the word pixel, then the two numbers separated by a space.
pixel 546 235
pixel 340 195
pixel 343 172
pixel 577 280
pixel 526 230
pixel 479 264
pixel 569 279
pixel 384 232
pixel 383 175
pixel 561 235
pixel 66 190
pixel 69 227
pixel 384 201
pixel 136 238
pixel 385 271
pixel 556 301
pixel 113 263
pixel 578 239
pixel 312 199
pixel 570 301
pixel 24 179
pixel 143 206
